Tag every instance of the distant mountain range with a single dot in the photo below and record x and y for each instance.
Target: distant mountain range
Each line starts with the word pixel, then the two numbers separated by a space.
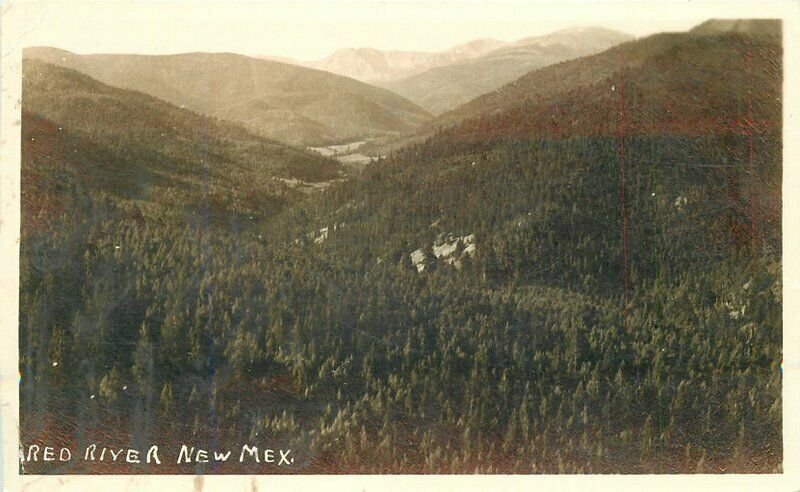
pixel 294 104
pixel 440 81
pixel 322 103
pixel 479 80
pixel 371 65
pixel 444 88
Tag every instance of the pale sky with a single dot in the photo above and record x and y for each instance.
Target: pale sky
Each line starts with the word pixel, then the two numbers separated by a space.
pixel 309 31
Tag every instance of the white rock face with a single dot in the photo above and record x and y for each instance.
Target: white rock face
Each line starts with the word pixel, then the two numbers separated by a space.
pixel 418 259
pixel 444 248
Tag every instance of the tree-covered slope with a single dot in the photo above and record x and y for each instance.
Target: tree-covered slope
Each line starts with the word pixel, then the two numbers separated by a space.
pixel 600 296
pixel 136 147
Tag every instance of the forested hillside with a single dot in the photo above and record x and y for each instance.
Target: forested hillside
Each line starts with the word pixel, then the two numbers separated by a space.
pixel 598 292
pixel 152 154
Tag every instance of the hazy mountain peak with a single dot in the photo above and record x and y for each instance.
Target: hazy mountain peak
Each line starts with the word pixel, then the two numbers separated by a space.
pixel 580 37
pixel 477 47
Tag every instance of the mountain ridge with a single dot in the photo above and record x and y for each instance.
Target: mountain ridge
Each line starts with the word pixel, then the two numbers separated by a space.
pixel 444 88
pixel 550 85
pixel 294 104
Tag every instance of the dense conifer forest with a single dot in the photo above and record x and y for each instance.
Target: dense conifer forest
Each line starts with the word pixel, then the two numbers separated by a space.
pixel 534 301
